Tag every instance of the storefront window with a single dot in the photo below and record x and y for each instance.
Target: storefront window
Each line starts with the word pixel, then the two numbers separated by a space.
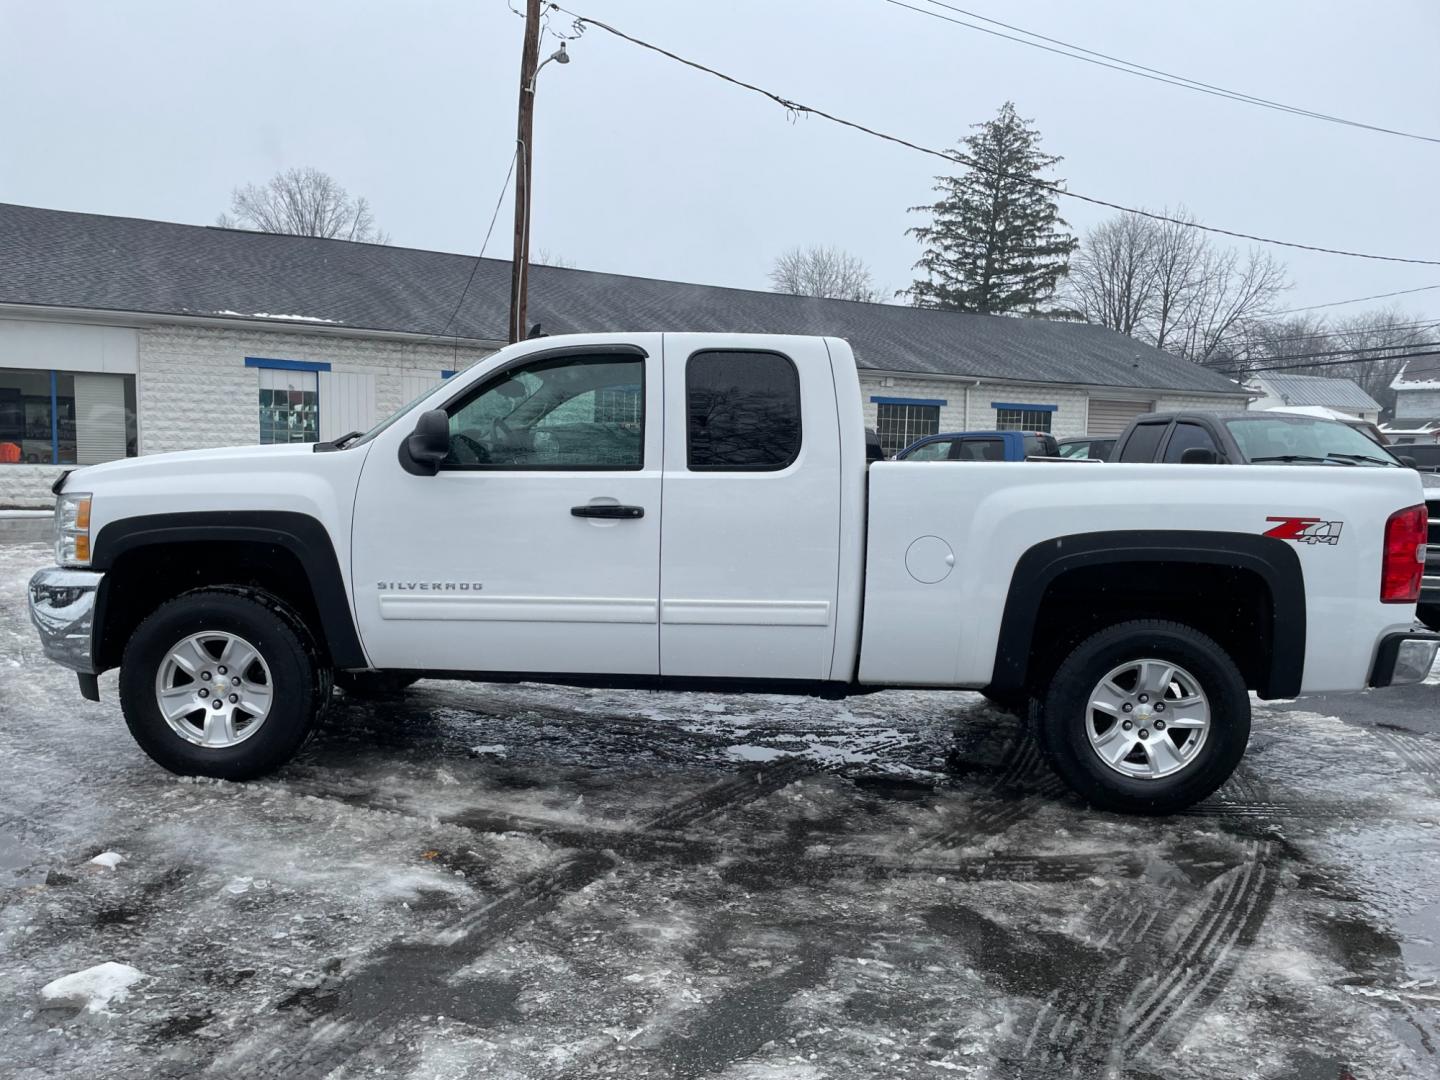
pixel 65 418
pixel 289 406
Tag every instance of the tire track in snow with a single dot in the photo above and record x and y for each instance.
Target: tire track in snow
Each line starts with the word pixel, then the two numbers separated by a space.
pixel 1418 754
pixel 1090 1028
pixel 314 1050
pixel 723 1031
pixel 1201 966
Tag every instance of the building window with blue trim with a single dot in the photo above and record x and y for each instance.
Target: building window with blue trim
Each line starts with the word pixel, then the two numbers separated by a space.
pixel 65 417
pixel 289 399
pixel 1023 417
pixel 289 407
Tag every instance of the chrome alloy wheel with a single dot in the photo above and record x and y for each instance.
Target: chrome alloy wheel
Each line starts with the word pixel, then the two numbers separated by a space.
pixel 214 689
pixel 1148 719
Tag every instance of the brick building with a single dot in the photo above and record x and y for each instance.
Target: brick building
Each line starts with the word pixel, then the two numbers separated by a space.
pixel 121 336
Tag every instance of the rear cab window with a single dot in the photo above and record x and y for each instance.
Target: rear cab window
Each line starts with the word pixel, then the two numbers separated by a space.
pixel 1144 441
pixel 1040 446
pixel 742 411
pixel 982 450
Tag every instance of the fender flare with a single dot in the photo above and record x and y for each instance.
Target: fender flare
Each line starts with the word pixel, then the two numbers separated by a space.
pixel 300 534
pixel 1273 561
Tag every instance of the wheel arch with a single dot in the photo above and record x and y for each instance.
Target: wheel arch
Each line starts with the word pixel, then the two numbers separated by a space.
pixel 1121 556
pixel 152 558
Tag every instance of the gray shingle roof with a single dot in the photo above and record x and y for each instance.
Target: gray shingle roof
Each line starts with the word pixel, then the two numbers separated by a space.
pixel 1423 372
pixel 63 259
pixel 1318 390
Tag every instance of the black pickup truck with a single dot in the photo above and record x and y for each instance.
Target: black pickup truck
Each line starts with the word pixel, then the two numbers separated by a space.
pixel 1252 438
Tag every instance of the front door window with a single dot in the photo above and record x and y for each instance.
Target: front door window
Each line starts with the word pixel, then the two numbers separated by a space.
pixel 582 412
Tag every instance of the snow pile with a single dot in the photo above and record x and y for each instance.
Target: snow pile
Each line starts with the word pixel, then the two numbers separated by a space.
pixel 92 989
pixel 108 859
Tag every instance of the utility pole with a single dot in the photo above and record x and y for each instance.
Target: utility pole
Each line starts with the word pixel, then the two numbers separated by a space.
pixel 519 266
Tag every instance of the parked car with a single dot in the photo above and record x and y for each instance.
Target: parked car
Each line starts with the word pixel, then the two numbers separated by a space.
pixel 1097 447
pixel 1251 438
pixel 478 534
pixel 982 446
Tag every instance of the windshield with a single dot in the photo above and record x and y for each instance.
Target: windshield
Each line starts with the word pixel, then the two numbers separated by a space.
pixel 1266 439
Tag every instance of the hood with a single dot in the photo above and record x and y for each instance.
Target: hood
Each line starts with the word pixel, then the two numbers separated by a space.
pixel 187 461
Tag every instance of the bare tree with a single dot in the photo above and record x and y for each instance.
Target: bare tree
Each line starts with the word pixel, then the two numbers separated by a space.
pixel 302 202
pixel 1112 280
pixel 546 257
pixel 1228 291
pixel 826 272
pixel 1167 284
pixel 1179 252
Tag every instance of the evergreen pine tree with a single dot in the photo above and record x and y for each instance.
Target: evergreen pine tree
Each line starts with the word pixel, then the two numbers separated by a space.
pixel 996 242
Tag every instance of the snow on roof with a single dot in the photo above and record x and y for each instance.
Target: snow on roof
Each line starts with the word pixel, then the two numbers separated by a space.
pixel 1420 373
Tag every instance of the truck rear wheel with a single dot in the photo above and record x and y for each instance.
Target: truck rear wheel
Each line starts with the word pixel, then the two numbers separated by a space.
pixel 1146 717
pixel 215 683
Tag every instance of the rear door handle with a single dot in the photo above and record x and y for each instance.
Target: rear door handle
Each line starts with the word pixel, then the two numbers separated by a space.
pixel 607 510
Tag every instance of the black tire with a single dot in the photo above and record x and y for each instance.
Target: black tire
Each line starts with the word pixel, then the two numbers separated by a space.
pixel 1064 717
pixel 373 684
pixel 300 684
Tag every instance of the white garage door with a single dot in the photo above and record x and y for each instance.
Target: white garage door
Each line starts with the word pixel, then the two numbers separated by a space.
pixel 1110 417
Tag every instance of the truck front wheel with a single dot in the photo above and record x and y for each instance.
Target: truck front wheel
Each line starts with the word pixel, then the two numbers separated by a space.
pixel 218 684
pixel 1146 717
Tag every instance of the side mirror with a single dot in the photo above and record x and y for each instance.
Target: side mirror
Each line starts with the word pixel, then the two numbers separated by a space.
pixel 1199 455
pixel 1409 462
pixel 427 446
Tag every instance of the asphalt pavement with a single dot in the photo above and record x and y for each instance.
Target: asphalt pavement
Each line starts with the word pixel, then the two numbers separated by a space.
pixel 524 881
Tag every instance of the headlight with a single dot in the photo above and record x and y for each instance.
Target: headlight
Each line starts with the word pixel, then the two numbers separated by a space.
pixel 72 530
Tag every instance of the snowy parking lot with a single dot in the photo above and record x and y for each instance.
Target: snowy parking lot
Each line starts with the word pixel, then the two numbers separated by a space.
pixel 520 881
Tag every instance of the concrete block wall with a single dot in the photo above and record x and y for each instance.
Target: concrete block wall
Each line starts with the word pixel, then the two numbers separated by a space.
pixel 27 487
pixel 194 390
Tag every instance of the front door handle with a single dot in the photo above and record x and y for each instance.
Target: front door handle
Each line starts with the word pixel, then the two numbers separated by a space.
pixel 607 510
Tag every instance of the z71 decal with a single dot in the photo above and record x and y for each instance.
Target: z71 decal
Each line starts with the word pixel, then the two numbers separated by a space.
pixel 1306 530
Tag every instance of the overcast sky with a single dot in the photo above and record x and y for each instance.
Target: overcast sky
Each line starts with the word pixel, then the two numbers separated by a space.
pixel 157 108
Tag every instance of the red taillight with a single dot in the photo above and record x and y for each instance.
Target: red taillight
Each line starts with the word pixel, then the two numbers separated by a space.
pixel 1404 563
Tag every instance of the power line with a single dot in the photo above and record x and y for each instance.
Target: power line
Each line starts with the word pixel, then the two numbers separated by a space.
pixel 1358 299
pixel 1423 324
pixel 475 264
pixel 1348 352
pixel 1129 67
pixel 955 157
pixel 1319 364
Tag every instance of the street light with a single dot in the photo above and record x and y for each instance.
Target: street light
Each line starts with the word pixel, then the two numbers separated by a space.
pixel 560 56
pixel 524 150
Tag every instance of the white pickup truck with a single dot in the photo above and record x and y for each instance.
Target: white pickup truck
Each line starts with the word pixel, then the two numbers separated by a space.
pixel 696 511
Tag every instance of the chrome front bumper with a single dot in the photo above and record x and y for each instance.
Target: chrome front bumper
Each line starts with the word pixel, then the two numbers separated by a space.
pixel 1404 658
pixel 62 607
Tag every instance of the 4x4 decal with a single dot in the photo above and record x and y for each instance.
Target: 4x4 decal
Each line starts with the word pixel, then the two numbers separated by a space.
pixel 1306 530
